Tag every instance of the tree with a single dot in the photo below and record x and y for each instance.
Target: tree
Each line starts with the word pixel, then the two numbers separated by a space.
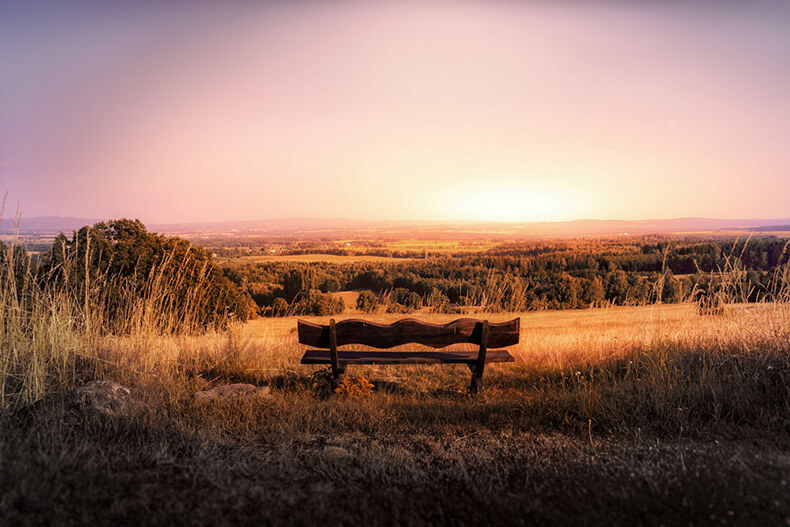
pixel 593 293
pixel 672 291
pixel 617 286
pixel 122 269
pixel 367 302
pixel 330 285
pixel 568 291
pixel 298 281
pixel 314 302
pixel 279 307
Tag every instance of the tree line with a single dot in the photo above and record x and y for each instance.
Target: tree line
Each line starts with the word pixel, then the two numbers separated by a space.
pixel 118 267
pixel 518 277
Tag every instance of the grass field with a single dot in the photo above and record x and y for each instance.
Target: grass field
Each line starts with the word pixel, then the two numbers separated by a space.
pixel 310 258
pixel 441 246
pixel 617 416
pixel 349 300
pixel 433 247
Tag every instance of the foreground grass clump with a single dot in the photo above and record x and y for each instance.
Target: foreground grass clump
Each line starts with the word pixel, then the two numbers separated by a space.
pixel 114 278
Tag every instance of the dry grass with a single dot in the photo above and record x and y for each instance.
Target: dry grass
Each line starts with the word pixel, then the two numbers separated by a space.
pixel 621 415
pixel 349 300
pixel 311 258
pixel 441 246
pixel 418 247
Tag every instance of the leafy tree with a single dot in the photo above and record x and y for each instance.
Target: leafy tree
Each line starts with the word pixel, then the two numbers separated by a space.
pixel 672 291
pixel 617 286
pixel 367 302
pixel 593 293
pixel 119 266
pixel 298 281
pixel 279 307
pixel 331 285
pixel 314 302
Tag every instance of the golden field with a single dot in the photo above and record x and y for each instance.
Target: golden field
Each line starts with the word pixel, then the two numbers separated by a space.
pixel 551 338
pixel 310 258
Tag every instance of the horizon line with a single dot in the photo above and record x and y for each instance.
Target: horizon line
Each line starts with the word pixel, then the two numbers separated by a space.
pixel 422 221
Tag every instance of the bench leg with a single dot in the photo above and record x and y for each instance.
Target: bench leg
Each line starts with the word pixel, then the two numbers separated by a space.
pixel 480 364
pixel 476 386
pixel 336 377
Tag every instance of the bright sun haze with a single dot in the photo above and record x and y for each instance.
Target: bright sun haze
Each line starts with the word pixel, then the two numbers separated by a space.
pixel 511 111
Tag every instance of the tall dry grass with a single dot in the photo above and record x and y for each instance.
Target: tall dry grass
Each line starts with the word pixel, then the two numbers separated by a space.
pixel 606 368
pixel 55 327
pixel 730 285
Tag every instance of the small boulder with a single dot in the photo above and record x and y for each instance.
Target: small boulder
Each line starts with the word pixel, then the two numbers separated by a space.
pixel 232 391
pixel 94 399
pixel 104 398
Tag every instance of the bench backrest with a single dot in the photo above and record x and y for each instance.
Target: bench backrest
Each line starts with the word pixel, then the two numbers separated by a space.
pixel 410 330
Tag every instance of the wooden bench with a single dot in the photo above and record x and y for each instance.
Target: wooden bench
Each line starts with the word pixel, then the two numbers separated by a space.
pixel 489 336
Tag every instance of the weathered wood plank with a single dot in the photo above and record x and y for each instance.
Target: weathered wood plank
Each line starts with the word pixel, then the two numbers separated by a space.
pixel 409 330
pixel 404 357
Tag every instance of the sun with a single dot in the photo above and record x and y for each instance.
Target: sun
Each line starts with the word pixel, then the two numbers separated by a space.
pixel 510 204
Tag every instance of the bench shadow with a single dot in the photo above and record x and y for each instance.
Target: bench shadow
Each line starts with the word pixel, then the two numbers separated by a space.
pixel 391 387
pixel 290 382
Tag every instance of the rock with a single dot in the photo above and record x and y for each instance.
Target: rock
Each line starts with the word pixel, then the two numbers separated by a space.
pixel 96 398
pixel 232 391
pixel 104 398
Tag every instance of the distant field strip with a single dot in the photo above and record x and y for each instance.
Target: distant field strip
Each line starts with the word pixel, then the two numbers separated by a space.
pixel 312 258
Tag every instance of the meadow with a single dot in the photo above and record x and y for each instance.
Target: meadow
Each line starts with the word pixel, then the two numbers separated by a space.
pixel 621 415
pixel 609 416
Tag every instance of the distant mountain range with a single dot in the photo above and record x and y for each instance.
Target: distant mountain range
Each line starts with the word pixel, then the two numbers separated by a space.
pixel 326 227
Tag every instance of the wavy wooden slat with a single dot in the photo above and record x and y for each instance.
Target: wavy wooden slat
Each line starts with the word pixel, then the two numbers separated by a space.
pixel 405 357
pixel 410 330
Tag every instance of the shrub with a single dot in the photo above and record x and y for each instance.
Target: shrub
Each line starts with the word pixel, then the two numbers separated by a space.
pixel 354 386
pixel 367 302
pixel 129 277
pixel 279 307
pixel 314 302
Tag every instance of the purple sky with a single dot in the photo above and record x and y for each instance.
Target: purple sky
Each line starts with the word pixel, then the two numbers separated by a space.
pixel 401 110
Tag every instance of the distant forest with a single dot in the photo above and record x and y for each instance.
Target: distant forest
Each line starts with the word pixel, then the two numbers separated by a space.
pixel 519 277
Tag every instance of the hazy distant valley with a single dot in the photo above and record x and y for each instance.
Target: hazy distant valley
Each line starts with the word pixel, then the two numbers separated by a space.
pixel 251 233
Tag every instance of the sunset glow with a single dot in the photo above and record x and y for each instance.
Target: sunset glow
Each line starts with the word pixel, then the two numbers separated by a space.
pixel 419 111
pixel 516 203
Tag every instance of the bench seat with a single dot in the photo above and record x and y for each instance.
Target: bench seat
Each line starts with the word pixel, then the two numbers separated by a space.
pixel 404 357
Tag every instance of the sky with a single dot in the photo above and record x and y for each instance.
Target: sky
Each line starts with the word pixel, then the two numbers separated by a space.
pixel 413 110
